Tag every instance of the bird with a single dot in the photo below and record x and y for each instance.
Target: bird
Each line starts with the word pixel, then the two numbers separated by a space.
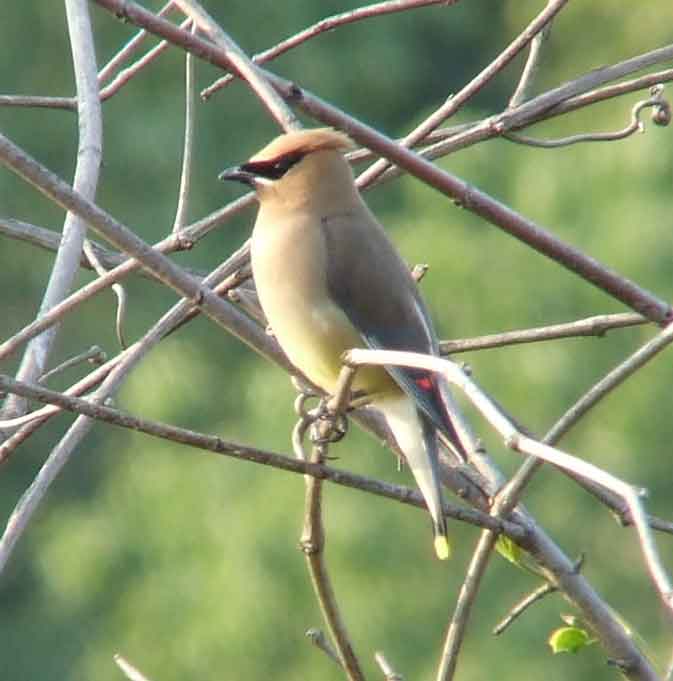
pixel 329 279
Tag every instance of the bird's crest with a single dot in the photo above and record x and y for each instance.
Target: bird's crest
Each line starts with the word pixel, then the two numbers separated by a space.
pixel 302 142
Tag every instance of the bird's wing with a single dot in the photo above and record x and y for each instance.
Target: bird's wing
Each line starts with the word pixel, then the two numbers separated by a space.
pixel 369 281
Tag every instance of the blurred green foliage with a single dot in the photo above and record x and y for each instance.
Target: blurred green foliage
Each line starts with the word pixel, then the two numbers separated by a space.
pixel 185 562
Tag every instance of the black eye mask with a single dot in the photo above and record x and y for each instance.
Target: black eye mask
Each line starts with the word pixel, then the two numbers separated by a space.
pixel 273 169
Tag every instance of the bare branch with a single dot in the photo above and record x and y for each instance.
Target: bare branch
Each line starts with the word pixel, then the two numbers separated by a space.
pixel 319 640
pixel 568 97
pixel 66 264
pixel 636 125
pixel 466 598
pixel 60 455
pixel 342 393
pixel 129 671
pixel 609 92
pixel 239 62
pixel 327 24
pixel 130 48
pixel 597 325
pixel 112 88
pixel 125 75
pixel 530 70
pixel 611 381
pixel 312 543
pixel 522 606
pixel 182 210
pixel 94 355
pixel 194 293
pixel 39 102
pixel 464 135
pixel 455 102
pixel 388 672
pixel 117 288
pixel 50 240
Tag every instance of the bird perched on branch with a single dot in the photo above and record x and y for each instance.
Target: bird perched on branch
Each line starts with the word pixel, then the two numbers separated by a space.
pixel 329 279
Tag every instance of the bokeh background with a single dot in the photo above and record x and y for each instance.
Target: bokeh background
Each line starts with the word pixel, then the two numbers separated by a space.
pixel 186 562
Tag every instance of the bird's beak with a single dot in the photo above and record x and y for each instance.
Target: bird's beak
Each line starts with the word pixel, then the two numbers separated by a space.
pixel 238 174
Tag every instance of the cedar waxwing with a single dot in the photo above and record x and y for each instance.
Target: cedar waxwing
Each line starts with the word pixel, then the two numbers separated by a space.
pixel 329 279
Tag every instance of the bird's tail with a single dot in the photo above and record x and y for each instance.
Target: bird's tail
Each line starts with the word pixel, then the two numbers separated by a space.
pixel 417 438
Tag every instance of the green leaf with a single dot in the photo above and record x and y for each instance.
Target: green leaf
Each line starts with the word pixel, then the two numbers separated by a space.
pixel 509 550
pixel 569 640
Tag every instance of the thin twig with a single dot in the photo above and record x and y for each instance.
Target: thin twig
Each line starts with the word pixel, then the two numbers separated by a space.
pixel 130 48
pixel 117 289
pixel 240 63
pixel 455 102
pixel 184 191
pixel 635 125
pixel 66 263
pixel 94 355
pixel 342 392
pixel 131 672
pixel 388 672
pixel 125 75
pixel 461 136
pixel 106 92
pixel 504 502
pixel 531 68
pixel 550 104
pixel 610 382
pixel 597 326
pixel 506 499
pixel 247 299
pixel 522 606
pixel 514 118
pixel 461 613
pixel 50 240
pixel 312 543
pixel 327 24
pixel 39 102
pixel 602 94
pixel 319 640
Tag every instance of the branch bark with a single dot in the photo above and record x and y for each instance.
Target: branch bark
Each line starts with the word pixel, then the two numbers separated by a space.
pixel 66 264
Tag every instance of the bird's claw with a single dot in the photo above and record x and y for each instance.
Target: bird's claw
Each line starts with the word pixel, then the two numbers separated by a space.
pixel 328 428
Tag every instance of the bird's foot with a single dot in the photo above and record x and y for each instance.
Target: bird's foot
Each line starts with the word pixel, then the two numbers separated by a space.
pixel 327 427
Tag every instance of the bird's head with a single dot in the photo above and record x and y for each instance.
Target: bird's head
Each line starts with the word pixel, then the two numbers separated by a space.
pixel 296 165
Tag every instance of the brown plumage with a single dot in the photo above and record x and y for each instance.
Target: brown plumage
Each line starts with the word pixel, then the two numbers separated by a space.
pixel 329 279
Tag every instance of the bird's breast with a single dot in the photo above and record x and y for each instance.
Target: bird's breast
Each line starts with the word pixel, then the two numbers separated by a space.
pixel 289 269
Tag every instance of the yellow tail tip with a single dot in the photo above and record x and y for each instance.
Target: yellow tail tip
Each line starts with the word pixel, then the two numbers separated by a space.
pixel 442 547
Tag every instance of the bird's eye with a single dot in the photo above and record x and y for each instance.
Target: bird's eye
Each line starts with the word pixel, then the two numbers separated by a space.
pixel 283 164
pixel 274 169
